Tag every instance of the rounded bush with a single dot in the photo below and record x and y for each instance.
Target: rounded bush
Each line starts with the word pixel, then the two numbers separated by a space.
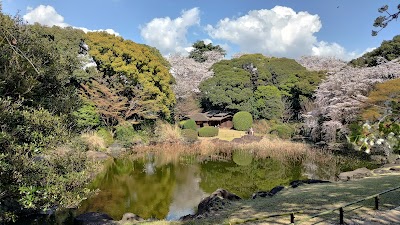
pixel 242 121
pixel 208 132
pixel 189 135
pixel 190 124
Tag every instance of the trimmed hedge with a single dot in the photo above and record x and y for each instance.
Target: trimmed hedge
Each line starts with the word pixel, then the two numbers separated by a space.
pixel 242 121
pixel 189 135
pixel 190 124
pixel 208 132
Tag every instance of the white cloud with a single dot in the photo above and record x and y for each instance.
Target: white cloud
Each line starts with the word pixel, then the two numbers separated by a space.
pixel 45 15
pixel 279 32
pixel 169 35
pixel 333 50
pixel 48 16
pixel 110 31
pixel 207 41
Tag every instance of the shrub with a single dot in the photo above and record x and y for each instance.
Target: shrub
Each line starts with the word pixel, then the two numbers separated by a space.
pixel 189 135
pixel 106 135
pixel 87 117
pixel 125 134
pixel 242 121
pixel 284 131
pixel 190 124
pixel 208 132
pixel 181 123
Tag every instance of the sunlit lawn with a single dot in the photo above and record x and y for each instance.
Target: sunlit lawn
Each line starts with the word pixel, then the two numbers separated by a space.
pixel 227 134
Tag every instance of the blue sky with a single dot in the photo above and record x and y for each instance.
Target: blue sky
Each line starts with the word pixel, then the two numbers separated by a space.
pixel 284 28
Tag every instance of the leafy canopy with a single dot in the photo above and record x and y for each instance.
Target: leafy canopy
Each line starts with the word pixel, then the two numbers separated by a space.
pixel 134 74
pixel 256 83
pixel 388 50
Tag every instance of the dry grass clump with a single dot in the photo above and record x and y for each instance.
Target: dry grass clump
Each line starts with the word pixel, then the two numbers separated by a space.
pixel 166 132
pixel 277 148
pixel 93 141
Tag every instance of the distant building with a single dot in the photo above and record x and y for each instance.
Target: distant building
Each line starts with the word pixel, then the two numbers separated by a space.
pixel 213 118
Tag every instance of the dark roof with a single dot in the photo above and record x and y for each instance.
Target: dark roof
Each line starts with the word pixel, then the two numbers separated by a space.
pixel 199 117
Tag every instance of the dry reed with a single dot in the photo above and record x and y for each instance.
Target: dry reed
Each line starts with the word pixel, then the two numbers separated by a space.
pixel 93 140
pixel 166 132
pixel 282 150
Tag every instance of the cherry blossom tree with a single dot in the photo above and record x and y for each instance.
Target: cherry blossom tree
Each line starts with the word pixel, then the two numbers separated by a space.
pixel 189 73
pixel 339 99
pixel 318 63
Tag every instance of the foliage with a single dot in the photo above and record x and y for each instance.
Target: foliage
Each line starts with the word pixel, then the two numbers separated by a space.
pixel 133 76
pixel 106 135
pixel 381 131
pixel 208 131
pixel 385 96
pixel 387 51
pixel 189 135
pixel 32 177
pixel 383 21
pixel 268 102
pixel 245 83
pixel 125 133
pixel 35 68
pixel 199 48
pixel 283 130
pixel 242 121
pixel 87 117
pixel 110 106
pixel 190 124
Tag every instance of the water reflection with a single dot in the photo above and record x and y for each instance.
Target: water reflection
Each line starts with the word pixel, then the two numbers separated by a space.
pixel 187 194
pixel 171 190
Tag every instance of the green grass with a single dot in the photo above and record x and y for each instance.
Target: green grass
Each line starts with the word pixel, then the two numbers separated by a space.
pixel 226 134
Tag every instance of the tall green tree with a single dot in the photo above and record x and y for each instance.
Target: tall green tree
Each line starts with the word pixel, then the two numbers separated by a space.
pixel 135 74
pixel 248 82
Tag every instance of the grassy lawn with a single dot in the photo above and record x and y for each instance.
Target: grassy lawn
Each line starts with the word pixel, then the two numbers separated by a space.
pixel 227 135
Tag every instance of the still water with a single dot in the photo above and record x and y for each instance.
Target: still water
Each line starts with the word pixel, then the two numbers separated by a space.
pixel 154 188
pixel 169 191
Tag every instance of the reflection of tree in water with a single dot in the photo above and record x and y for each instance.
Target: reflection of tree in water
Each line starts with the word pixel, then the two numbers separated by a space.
pixel 187 193
pixel 127 188
pixel 261 174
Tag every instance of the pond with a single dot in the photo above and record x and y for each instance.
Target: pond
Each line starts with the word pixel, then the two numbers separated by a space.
pixel 173 190
pixel 152 188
